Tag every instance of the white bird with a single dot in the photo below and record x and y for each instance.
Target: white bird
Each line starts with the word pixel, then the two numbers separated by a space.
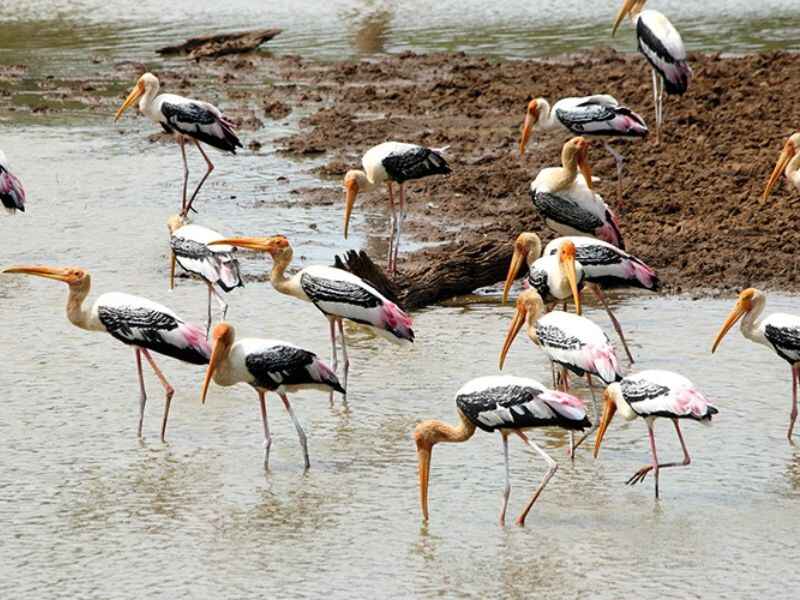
pixel 216 265
pixel 652 394
pixel 12 194
pixel 600 116
pixel 189 120
pixel 134 321
pixel 566 201
pixel 780 332
pixel 267 366
pixel 569 340
pixel 788 163
pixel 339 295
pixel 662 46
pixel 387 163
pixel 507 405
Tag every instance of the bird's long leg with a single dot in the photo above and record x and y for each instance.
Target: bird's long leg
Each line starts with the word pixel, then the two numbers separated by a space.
pixel 401 216
pixel 507 488
pixel 182 143
pixel 334 358
pixel 687 460
pixel 639 475
pixel 598 291
pixel 553 373
pixel 300 433
pixel 595 420
pixel 208 318
pixel 660 107
pixel 394 227
pixel 262 400
pixel 550 472
pixel 210 166
pixel 344 356
pixel 655 105
pixel 221 301
pixel 793 413
pixel 618 159
pixel 168 390
pixel 143 394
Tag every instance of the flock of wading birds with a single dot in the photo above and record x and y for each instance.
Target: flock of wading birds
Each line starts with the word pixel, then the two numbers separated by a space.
pixel 590 254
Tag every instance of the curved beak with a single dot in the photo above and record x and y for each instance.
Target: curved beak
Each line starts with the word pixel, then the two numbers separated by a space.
pixel 351 191
pixel 516 325
pixel 46 272
pixel 583 164
pixel 609 409
pixel 218 354
pixel 259 244
pixel 737 313
pixel 424 451
pixel 136 93
pixel 527 126
pixel 569 270
pixel 623 12
pixel 513 269
pixel 172 271
pixel 786 155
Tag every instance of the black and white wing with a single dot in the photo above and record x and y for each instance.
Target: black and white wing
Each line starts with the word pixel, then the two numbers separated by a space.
pixel 277 365
pixel 404 162
pixel 783 333
pixel 146 324
pixel 199 120
pixel 216 264
pixel 662 46
pixel 506 402
pixel 657 393
pixel 599 115
pixel 12 194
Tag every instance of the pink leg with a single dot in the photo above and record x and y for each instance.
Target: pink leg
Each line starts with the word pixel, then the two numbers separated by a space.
pixel 793 413
pixel 202 181
pixel 687 460
pixel 182 143
pixel 390 259
pixel 262 400
pixel 507 489
pixel 168 389
pixel 400 219
pixel 143 394
pixel 617 327
pixel 641 473
pixel 301 434
pixel 596 420
pixel 334 358
pixel 553 467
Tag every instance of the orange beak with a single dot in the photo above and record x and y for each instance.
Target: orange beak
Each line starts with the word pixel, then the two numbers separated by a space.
pixel 136 93
pixel 567 261
pixel 351 191
pixel 608 413
pixel 259 244
pixel 626 9
pixel 583 162
pixel 516 325
pixel 424 451
pixel 739 310
pixel 47 272
pixel 527 127
pixel 516 262
pixel 787 154
pixel 218 354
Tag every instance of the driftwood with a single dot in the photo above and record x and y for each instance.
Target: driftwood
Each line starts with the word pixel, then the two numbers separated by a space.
pixel 210 46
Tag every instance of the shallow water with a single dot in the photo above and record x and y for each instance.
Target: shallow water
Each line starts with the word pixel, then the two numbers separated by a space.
pixel 90 511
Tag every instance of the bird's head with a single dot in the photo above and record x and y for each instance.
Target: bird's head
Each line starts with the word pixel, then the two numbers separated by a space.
pixel 531 119
pixel 530 303
pixel 222 338
pixel 611 396
pixel 426 435
pixel 630 8
pixel 75 277
pixel 790 149
pixel 744 304
pixel 566 262
pixel 354 182
pixel 277 246
pixel 145 83
pixel 526 246
pixel 576 153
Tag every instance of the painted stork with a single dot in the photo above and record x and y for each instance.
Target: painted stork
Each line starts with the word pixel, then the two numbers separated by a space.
pixel 651 394
pixel 338 295
pixel 566 201
pixel 662 46
pixel 217 265
pixel 12 194
pixel 600 115
pixel 788 163
pixel 134 321
pixel 267 366
pixel 387 163
pixel 507 405
pixel 189 120
pixel 780 332
pixel 569 340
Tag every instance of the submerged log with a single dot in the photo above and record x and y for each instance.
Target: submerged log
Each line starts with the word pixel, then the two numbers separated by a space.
pixel 219 44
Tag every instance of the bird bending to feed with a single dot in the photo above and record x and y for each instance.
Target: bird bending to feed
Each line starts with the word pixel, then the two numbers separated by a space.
pixel 508 405
pixel 189 120
pixel 12 194
pixel 599 115
pixel 779 331
pixel 134 321
pixel 339 295
pixel 662 46
pixel 267 366
pixel 216 265
pixel 788 163
pixel 651 394
pixel 387 163
pixel 566 201
pixel 569 340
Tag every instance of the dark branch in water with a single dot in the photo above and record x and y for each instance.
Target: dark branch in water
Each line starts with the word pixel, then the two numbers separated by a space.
pixel 210 46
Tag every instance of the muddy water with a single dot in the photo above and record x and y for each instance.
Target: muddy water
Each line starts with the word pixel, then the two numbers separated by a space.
pixel 90 511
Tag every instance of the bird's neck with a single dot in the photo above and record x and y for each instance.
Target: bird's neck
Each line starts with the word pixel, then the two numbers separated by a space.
pixel 547 116
pixel 76 313
pixel 365 184
pixel 793 170
pixel 281 281
pixel 752 320
pixel 565 176
pixel 444 432
pixel 146 101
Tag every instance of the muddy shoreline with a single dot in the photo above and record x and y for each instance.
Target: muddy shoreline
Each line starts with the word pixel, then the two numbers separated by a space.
pixel 692 202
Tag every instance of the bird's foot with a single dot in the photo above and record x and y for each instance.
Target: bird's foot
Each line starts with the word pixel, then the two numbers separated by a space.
pixel 639 475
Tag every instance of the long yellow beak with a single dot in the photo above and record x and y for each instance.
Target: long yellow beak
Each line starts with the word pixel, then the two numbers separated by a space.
pixel 516 262
pixel 786 155
pixel 424 452
pixel 627 6
pixel 135 94
pixel 572 277
pixel 584 166
pixel 47 272
pixel 516 325
pixel 527 127
pixel 608 413
pixel 218 354
pixel 259 244
pixel 737 313
pixel 351 191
